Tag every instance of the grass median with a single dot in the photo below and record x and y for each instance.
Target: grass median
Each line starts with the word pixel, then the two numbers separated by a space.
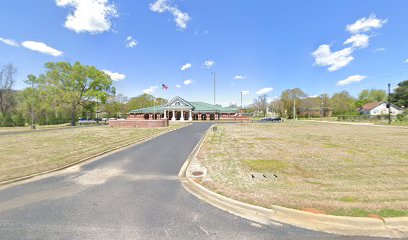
pixel 29 153
pixel 335 169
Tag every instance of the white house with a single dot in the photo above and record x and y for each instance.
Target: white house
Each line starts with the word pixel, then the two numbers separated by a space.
pixel 379 108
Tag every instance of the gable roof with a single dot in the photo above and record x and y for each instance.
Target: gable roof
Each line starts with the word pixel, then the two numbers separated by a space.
pixel 372 105
pixel 178 102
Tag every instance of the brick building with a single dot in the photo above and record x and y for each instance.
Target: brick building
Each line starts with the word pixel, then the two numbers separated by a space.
pixel 179 109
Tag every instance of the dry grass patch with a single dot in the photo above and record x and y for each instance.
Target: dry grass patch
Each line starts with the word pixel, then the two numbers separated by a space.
pixel 340 169
pixel 29 153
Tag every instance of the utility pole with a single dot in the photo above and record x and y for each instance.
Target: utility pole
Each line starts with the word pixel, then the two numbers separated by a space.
pixel 32 105
pixel 242 109
pixel 294 109
pixel 215 111
pixel 389 104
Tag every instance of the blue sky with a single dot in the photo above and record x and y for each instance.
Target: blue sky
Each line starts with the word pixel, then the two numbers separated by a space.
pixel 319 46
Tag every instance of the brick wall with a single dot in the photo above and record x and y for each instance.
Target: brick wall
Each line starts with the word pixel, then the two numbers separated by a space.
pixel 138 123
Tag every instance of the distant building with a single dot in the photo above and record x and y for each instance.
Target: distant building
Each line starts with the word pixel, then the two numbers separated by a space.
pixel 179 109
pixel 379 108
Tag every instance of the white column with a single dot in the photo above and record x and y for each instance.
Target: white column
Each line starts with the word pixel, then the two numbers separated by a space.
pixel 174 117
pixel 182 116
pixel 190 118
pixel 164 115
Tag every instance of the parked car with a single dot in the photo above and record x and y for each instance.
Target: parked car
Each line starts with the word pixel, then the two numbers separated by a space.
pixel 85 121
pixel 272 119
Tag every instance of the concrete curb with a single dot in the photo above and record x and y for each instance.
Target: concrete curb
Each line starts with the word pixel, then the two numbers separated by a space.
pixel 93 157
pixel 349 226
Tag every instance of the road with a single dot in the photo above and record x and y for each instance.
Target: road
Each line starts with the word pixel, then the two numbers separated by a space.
pixel 131 194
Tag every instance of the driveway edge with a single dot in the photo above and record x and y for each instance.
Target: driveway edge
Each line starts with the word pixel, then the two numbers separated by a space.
pixel 350 226
pixel 93 157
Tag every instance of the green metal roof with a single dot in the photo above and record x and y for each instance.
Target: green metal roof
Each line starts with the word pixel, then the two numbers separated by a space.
pixel 197 107
pixel 206 107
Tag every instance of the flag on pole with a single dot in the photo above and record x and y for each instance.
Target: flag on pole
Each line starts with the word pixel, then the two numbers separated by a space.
pixel 164 86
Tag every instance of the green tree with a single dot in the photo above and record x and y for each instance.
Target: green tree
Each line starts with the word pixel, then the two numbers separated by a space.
pixel 141 101
pixel 75 85
pixel 288 97
pixel 343 103
pixel 400 95
pixel 368 96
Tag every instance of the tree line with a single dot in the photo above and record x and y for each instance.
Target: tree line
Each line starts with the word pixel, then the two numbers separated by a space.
pixel 67 92
pixel 63 94
pixel 296 102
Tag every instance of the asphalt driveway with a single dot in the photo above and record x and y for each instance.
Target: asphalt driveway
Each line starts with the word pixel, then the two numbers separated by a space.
pixel 131 194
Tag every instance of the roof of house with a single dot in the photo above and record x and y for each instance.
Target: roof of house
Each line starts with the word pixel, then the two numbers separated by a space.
pixel 372 105
pixel 197 107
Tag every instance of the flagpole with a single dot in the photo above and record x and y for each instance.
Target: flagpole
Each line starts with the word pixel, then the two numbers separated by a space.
pixel 154 108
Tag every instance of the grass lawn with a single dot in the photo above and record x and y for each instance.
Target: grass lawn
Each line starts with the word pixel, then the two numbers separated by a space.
pixel 28 128
pixel 377 122
pixel 339 169
pixel 28 153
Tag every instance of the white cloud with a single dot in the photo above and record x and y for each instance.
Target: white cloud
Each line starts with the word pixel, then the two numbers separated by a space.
pixel 186 66
pixel 42 48
pixel 335 60
pixel 115 76
pixel 93 16
pixel 131 42
pixel 209 63
pixel 178 86
pixel 351 79
pixel 264 91
pixel 366 24
pixel 181 18
pixel 239 77
pixel 10 42
pixel 379 50
pixel 358 41
pixel 188 82
pixel 150 90
pixel 406 61
pixel 245 92
pixel 232 84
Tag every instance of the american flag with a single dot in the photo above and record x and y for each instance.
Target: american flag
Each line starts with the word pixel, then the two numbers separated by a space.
pixel 164 86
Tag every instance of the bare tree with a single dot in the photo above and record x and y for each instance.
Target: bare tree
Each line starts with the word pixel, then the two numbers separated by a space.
pixel 7 79
pixel 261 104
